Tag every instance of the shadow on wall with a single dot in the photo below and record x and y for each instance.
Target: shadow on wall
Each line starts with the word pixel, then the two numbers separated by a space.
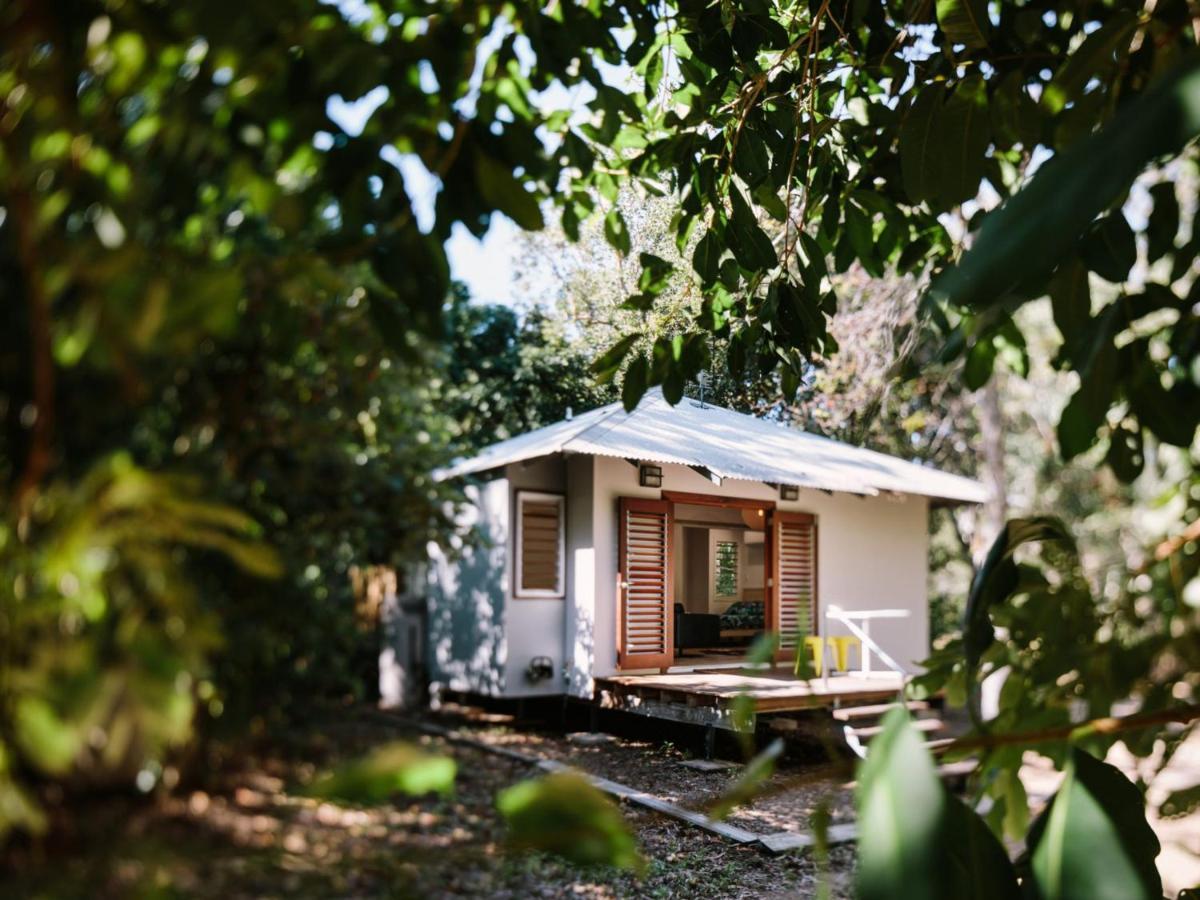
pixel 582 655
pixel 466 610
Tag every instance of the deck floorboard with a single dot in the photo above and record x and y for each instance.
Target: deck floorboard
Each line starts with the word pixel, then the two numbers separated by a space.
pixel 773 690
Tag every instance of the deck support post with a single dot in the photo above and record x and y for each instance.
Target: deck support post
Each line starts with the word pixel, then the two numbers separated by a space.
pixel 594 718
pixel 710 741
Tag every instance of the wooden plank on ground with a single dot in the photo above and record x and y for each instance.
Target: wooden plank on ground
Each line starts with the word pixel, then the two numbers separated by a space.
pixel 785 841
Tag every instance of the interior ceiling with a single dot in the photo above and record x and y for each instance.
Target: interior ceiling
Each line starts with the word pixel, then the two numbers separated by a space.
pixel 717 516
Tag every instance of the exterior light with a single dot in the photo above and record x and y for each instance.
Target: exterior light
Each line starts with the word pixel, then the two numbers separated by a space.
pixel 650 476
pixel 789 492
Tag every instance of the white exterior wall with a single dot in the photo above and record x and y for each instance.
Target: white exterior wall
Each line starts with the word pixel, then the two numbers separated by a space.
pixel 536 627
pixel 481 637
pixel 872 553
pixel 467 586
pixel 582 582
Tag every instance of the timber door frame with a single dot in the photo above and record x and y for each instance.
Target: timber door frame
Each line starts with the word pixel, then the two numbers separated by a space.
pixel 768 509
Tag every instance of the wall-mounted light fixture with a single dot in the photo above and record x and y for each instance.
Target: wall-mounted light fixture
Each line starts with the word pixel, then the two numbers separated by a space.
pixel 789 492
pixel 650 476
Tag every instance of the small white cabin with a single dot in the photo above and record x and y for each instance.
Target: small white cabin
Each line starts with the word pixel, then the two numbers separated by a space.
pixel 666 539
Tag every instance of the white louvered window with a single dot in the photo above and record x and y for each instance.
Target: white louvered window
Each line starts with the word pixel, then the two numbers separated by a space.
pixel 540 546
pixel 727 569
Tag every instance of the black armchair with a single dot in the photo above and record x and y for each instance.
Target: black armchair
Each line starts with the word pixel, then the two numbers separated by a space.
pixel 696 629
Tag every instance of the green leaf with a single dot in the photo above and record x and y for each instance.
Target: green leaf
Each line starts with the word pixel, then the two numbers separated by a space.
pixel 1171 413
pixel 570 222
pixel 1093 840
pixel 1093 58
pixel 656 273
pixel 18 810
pixel 964 21
pixel 607 365
pixel 637 379
pixel 747 240
pixel 673 384
pixel 750 158
pixel 764 195
pixel 1071 300
pixel 1109 248
pixel 915 840
pixel 750 783
pixel 502 190
pixel 397 768
pixel 981 359
pixel 1126 456
pixel 565 815
pixel 997 578
pixel 963 134
pixel 706 258
pixel 616 232
pixel 900 807
pixel 1085 412
pixel 920 145
pixel 763 649
pixel 1164 220
pixel 1016 118
pixel 1036 228
pixel 47 741
pixel 861 233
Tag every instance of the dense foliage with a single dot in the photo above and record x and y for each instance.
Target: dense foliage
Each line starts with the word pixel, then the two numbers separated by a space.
pixel 223 305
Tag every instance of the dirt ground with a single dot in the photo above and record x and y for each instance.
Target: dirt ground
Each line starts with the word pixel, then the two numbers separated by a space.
pixel 653 766
pixel 252 833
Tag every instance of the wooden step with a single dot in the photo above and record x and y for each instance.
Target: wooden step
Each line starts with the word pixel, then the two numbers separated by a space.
pixel 958 770
pixel 938 744
pixel 876 710
pixel 870 731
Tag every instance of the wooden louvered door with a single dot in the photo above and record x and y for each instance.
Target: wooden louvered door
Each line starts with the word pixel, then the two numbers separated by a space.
pixel 644 601
pixel 794 593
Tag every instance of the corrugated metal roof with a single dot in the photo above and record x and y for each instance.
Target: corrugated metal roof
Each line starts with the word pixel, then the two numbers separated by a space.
pixel 728 444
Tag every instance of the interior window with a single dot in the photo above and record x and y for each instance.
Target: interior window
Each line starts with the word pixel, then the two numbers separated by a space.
pixel 539 550
pixel 727 568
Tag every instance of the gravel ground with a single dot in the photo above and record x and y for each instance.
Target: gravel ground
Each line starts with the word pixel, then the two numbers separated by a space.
pixel 655 767
pixel 252 833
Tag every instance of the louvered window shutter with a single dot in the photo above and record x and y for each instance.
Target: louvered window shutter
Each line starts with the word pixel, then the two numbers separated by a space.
pixel 540 545
pixel 795 594
pixel 645 585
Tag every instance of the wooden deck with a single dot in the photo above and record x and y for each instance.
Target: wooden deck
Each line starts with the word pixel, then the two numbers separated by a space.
pixel 706 696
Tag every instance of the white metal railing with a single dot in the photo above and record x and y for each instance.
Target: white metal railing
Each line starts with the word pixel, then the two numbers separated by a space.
pixel 851 618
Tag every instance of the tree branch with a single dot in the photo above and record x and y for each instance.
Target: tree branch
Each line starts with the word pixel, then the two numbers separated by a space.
pixel 1107 725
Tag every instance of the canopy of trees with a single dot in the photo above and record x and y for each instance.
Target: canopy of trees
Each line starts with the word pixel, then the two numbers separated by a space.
pixel 224 363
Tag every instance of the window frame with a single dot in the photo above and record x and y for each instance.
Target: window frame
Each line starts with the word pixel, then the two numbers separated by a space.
pixel 737 564
pixel 520 592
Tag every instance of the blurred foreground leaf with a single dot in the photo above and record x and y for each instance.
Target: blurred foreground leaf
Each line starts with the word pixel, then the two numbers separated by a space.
pixel 17 810
pixel 997 577
pixel 566 815
pixel 397 768
pixel 1039 226
pixel 750 783
pixel 1093 840
pixel 915 840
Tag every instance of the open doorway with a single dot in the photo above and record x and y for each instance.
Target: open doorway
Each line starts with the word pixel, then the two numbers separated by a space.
pixel 720 580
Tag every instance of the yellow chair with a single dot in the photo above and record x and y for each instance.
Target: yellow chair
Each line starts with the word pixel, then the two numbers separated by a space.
pixel 816 650
pixel 841 649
